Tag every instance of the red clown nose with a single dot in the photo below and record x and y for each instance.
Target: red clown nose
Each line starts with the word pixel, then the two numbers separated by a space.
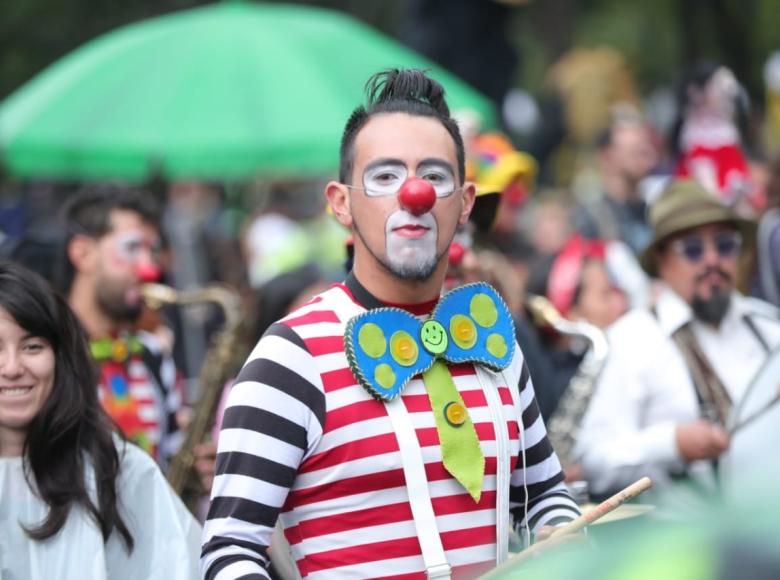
pixel 417 196
pixel 457 252
pixel 148 272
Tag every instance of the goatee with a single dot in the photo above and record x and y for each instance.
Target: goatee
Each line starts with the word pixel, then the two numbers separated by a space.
pixel 713 309
pixel 416 272
pixel 117 309
pixel 417 268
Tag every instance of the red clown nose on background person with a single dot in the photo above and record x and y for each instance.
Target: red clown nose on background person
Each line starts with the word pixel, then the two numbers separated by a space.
pixel 148 272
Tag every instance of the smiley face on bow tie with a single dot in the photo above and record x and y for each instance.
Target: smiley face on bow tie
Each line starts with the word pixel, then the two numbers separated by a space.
pixel 386 347
pixel 434 337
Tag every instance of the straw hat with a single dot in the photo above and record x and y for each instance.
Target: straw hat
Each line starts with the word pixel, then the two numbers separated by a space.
pixel 683 205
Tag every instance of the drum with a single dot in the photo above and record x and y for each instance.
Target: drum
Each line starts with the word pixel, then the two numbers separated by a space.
pixel 752 463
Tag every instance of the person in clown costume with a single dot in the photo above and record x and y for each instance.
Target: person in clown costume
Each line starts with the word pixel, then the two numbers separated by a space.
pixel 490 246
pixel 393 431
pixel 112 247
pixel 707 139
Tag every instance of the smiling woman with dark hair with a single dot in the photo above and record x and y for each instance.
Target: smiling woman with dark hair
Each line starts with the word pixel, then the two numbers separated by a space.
pixel 68 484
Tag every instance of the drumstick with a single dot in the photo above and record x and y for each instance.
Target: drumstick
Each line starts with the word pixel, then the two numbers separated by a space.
pixel 603 508
pixel 577 524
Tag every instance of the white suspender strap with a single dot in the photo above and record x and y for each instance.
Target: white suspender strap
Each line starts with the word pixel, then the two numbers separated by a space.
pixel 436 565
pixel 489 382
pixel 417 485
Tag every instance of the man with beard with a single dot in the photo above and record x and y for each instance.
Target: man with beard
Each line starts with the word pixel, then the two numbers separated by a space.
pixel 112 246
pixel 662 403
pixel 362 468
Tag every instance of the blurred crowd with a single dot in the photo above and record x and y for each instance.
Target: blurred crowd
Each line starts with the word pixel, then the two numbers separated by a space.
pixel 582 220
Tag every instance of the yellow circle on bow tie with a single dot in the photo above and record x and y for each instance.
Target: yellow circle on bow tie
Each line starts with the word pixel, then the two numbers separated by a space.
pixel 384 376
pixel 455 413
pixel 496 345
pixel 403 348
pixel 372 340
pixel 463 331
pixel 483 309
pixel 119 351
pixel 434 337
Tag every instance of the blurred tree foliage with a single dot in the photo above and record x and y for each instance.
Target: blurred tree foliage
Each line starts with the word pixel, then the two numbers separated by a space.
pixel 658 37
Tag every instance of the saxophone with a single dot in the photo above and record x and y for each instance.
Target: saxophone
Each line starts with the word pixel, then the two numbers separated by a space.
pixel 220 364
pixel 564 425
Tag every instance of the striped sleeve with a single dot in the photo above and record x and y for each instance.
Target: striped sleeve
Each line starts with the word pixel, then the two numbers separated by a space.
pixel 539 485
pixel 273 419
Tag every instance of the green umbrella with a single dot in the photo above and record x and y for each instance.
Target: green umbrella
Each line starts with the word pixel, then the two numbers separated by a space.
pixel 228 91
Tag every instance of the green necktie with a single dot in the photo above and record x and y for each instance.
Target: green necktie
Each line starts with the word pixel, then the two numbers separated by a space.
pixel 460 450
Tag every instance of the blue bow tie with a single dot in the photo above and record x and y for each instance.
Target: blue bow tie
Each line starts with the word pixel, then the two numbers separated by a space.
pixel 386 347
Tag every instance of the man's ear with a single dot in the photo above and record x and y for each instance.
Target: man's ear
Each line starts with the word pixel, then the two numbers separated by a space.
pixel 338 198
pixel 469 195
pixel 82 251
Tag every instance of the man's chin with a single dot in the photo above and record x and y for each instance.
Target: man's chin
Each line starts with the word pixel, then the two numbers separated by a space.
pixel 127 313
pixel 713 309
pixel 412 272
pixel 122 311
pixel 413 268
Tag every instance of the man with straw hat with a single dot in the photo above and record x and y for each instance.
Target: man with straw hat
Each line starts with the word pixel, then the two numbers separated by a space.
pixel 663 402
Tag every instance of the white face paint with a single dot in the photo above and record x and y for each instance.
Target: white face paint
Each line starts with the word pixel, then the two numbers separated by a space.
pixel 389 150
pixel 410 244
pixel 386 177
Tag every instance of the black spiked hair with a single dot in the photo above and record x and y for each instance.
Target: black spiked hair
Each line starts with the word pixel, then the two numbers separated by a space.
pixel 409 91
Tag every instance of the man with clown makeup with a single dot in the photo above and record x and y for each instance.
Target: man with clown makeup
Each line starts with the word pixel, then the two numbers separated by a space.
pixel 112 246
pixel 393 431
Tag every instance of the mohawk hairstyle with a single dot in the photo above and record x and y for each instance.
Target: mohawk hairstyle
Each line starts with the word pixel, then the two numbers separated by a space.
pixel 409 84
pixel 409 91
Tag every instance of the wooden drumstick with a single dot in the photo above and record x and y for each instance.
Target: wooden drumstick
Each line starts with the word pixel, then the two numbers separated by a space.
pixel 603 508
pixel 577 524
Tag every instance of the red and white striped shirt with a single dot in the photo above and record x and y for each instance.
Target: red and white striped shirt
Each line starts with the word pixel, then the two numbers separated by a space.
pixel 129 397
pixel 303 441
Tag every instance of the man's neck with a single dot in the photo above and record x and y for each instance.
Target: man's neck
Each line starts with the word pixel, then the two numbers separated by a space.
pixel 388 288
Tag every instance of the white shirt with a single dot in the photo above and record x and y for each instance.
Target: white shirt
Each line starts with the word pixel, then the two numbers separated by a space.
pixel 646 390
pixel 167 537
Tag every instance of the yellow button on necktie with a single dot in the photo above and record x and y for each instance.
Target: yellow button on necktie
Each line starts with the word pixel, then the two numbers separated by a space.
pixel 455 413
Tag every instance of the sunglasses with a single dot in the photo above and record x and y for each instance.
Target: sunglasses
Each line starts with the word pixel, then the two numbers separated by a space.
pixel 726 245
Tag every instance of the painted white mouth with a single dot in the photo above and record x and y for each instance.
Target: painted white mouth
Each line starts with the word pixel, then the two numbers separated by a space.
pixel 15 391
